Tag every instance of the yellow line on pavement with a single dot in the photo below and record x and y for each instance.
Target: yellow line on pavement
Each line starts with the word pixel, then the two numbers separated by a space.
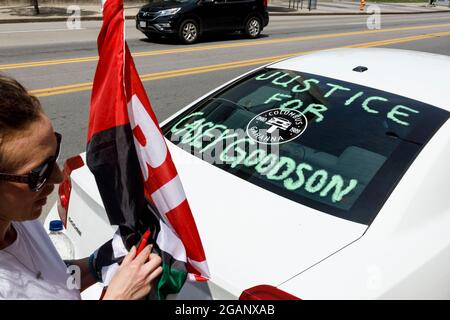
pixel 166 74
pixel 229 65
pixel 400 40
pixel 220 46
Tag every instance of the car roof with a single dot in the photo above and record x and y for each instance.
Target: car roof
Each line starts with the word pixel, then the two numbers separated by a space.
pixel 416 75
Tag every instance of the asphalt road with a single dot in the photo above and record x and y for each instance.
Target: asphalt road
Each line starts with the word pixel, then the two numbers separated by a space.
pixel 58 64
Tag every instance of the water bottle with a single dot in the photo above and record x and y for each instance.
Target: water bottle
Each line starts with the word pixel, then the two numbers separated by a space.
pixel 61 241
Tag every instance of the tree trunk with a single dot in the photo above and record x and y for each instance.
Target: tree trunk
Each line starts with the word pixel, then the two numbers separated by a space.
pixel 36 6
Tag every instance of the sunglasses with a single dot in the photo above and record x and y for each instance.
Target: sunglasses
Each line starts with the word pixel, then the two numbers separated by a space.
pixel 36 178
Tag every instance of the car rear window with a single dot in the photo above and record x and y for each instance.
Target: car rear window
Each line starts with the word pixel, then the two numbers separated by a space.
pixel 334 146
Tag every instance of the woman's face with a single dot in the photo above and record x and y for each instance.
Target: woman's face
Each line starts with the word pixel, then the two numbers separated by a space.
pixel 24 152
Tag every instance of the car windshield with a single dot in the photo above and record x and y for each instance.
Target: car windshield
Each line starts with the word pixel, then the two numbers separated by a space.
pixel 331 145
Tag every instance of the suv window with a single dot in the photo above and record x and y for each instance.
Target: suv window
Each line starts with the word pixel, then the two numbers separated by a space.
pixel 334 146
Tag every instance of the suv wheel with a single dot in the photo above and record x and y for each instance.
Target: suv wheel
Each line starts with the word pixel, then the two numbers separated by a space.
pixel 253 27
pixel 189 31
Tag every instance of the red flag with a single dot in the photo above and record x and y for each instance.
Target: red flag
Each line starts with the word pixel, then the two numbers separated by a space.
pixel 128 155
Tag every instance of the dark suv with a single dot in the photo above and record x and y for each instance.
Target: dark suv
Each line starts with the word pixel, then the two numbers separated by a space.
pixel 188 19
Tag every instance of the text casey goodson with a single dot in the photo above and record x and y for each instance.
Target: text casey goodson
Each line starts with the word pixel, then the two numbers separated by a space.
pixel 225 309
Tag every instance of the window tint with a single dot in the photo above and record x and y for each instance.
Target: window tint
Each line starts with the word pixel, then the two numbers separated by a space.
pixel 334 146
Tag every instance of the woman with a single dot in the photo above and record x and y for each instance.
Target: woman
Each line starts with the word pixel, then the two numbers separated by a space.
pixel 30 267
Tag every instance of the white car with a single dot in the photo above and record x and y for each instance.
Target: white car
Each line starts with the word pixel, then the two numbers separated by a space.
pixel 350 201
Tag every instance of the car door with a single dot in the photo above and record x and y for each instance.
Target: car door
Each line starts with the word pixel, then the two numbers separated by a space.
pixel 212 13
pixel 238 12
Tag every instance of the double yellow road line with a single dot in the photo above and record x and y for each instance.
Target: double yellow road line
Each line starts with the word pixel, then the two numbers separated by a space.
pixel 230 65
pixel 162 75
pixel 220 46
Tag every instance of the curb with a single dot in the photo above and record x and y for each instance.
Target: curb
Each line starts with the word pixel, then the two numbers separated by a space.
pixel 279 14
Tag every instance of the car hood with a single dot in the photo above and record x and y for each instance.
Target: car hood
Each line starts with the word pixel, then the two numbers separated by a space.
pixel 161 5
pixel 252 236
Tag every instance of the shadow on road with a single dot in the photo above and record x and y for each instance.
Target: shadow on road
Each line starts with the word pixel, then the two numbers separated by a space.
pixel 208 38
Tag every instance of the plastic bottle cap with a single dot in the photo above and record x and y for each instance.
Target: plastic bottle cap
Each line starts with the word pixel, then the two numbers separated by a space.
pixel 56 225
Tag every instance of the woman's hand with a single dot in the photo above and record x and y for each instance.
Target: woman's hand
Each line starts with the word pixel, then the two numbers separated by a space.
pixel 133 279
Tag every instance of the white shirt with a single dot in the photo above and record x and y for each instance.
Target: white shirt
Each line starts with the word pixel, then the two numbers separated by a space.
pixel 33 252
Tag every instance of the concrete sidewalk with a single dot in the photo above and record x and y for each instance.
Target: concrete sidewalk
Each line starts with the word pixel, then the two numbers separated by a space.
pixel 61 12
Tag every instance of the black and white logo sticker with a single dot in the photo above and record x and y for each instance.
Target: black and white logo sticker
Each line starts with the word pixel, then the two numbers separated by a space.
pixel 277 126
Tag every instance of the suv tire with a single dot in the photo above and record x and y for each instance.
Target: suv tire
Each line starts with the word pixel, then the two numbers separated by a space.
pixel 189 31
pixel 253 27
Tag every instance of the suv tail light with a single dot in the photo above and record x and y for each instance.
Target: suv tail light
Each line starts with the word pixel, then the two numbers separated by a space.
pixel 66 186
pixel 266 292
pixel 265 3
